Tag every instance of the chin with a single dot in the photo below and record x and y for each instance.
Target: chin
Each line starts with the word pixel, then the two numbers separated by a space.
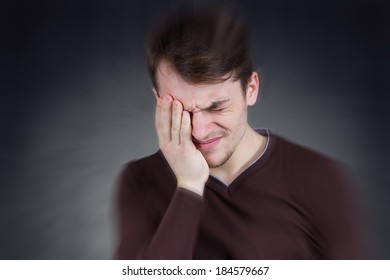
pixel 214 161
pixel 214 164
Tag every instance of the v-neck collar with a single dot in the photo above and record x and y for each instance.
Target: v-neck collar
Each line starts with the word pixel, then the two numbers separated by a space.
pixel 219 186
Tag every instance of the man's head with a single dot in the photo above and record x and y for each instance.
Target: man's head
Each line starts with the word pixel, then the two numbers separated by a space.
pixel 202 60
pixel 203 47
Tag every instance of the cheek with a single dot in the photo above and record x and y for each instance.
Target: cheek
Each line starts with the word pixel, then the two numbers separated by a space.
pixel 231 121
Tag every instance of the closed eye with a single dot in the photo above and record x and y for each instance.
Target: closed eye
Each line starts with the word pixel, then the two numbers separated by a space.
pixel 217 106
pixel 217 109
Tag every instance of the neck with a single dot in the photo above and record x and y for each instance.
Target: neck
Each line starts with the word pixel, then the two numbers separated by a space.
pixel 248 150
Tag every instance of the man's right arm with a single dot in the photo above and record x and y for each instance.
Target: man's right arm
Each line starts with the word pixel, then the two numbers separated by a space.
pixel 173 125
pixel 153 227
pixel 175 236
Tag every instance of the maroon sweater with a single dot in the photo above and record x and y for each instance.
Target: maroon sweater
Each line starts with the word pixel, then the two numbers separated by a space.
pixel 292 203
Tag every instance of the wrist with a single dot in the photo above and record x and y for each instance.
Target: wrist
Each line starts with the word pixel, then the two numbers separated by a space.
pixel 197 188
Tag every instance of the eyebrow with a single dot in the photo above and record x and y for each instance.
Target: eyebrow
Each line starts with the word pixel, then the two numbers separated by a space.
pixel 215 104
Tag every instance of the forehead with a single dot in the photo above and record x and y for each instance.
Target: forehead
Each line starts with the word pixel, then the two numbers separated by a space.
pixel 193 95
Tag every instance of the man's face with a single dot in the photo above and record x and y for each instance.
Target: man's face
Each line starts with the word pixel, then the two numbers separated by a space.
pixel 218 113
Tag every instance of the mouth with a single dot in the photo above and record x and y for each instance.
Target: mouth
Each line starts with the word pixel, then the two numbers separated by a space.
pixel 204 145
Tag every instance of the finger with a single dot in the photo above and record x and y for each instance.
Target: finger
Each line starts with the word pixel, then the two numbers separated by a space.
pixel 158 117
pixel 185 131
pixel 176 122
pixel 165 120
pixel 158 112
pixel 156 94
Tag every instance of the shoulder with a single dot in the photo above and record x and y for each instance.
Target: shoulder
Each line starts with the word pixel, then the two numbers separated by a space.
pixel 286 155
pixel 143 166
pixel 312 173
pixel 298 152
pixel 300 158
pixel 146 173
pixel 316 180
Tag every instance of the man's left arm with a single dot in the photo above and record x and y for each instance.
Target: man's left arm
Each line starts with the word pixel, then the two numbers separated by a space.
pixel 337 214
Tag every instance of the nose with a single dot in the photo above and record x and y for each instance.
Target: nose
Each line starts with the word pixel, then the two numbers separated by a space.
pixel 201 125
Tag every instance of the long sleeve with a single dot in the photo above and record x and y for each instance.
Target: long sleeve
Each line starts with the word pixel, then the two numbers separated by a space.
pixel 328 195
pixel 158 221
pixel 321 193
pixel 338 217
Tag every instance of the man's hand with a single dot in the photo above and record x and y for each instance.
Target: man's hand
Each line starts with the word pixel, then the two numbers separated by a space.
pixel 173 126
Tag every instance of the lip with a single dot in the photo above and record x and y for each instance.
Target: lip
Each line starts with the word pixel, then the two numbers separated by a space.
pixel 203 145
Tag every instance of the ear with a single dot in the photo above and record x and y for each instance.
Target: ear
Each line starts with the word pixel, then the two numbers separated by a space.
pixel 252 89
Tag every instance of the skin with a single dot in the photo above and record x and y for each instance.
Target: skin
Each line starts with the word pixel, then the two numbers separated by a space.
pixel 203 129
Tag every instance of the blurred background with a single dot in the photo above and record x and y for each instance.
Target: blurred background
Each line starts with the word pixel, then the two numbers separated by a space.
pixel 76 104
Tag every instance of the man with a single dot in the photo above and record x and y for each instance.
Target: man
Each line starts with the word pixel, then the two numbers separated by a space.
pixel 218 189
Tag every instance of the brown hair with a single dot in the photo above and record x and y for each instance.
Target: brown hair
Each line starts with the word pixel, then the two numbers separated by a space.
pixel 202 47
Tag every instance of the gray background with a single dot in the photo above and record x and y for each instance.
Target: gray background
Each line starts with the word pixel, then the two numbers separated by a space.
pixel 76 104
